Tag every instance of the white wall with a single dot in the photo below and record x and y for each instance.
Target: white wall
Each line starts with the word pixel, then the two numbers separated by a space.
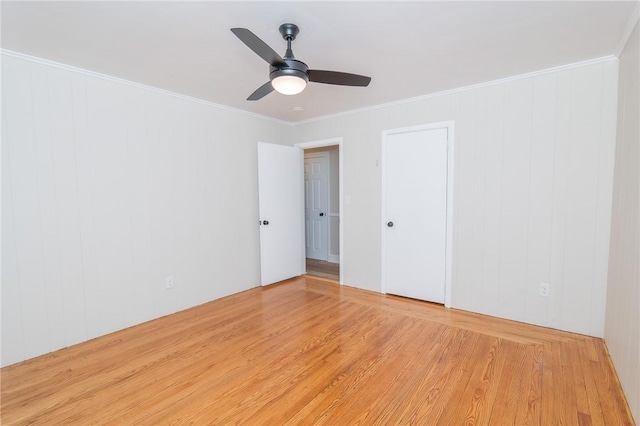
pixel 106 189
pixel 532 193
pixel 622 330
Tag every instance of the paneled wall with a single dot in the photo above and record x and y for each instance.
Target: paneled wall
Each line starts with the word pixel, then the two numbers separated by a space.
pixel 532 192
pixel 622 331
pixel 108 188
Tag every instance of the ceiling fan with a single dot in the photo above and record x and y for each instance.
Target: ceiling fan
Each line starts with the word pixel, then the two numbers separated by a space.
pixel 287 75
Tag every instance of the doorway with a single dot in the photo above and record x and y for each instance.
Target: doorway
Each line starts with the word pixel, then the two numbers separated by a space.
pixel 323 208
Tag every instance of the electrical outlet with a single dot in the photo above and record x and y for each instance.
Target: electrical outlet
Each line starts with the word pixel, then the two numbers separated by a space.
pixel 169 281
pixel 544 289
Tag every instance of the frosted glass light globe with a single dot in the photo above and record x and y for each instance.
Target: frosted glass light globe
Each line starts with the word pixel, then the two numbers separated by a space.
pixel 288 84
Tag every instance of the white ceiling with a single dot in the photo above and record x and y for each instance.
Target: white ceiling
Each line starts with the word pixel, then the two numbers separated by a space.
pixel 408 48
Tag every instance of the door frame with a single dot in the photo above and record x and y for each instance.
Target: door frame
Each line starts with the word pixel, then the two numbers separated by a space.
pixel 449 125
pixel 327 228
pixel 320 144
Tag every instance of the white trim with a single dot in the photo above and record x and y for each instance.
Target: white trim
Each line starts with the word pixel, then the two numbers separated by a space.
pixel 303 251
pixel 323 143
pixel 332 257
pixel 449 125
pixel 106 77
pixel 461 89
pixel 450 183
pixel 634 18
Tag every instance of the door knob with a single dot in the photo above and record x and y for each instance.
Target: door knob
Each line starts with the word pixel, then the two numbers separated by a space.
pixel 390 224
pixel 321 214
pixel 265 222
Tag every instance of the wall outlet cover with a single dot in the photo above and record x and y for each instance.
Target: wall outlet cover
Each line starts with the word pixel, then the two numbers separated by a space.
pixel 169 283
pixel 544 289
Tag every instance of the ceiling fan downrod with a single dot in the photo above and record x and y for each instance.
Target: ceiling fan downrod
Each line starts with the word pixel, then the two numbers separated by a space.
pixel 289 33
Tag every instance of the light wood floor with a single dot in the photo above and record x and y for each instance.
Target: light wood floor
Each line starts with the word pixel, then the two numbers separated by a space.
pixel 319 268
pixel 309 351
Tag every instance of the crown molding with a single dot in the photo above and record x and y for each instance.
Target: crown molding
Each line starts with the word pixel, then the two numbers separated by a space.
pixel 463 89
pixel 34 59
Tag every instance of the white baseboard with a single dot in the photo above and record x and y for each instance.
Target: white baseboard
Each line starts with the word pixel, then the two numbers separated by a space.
pixel 333 258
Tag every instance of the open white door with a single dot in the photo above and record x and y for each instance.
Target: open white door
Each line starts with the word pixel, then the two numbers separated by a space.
pixel 281 209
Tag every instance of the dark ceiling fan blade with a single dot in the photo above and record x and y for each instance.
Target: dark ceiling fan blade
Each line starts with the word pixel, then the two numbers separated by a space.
pixel 341 78
pixel 260 47
pixel 261 92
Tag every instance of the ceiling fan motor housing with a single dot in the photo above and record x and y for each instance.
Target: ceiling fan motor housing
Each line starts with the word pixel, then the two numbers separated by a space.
pixel 295 68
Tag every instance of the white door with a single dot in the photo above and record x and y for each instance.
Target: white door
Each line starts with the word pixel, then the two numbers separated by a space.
pixel 415 205
pixel 316 204
pixel 280 205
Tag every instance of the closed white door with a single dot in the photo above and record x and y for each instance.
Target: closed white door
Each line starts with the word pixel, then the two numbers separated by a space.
pixel 316 203
pixel 280 205
pixel 415 206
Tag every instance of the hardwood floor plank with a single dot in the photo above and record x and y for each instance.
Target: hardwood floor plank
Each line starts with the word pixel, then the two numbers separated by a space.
pixel 482 397
pixel 548 415
pixel 513 387
pixel 469 382
pixel 582 399
pixel 595 408
pixel 438 382
pixel 570 407
pixel 533 412
pixel 310 351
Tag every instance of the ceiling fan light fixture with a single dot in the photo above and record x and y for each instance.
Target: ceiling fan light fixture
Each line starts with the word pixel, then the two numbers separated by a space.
pixel 289 84
pixel 287 75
